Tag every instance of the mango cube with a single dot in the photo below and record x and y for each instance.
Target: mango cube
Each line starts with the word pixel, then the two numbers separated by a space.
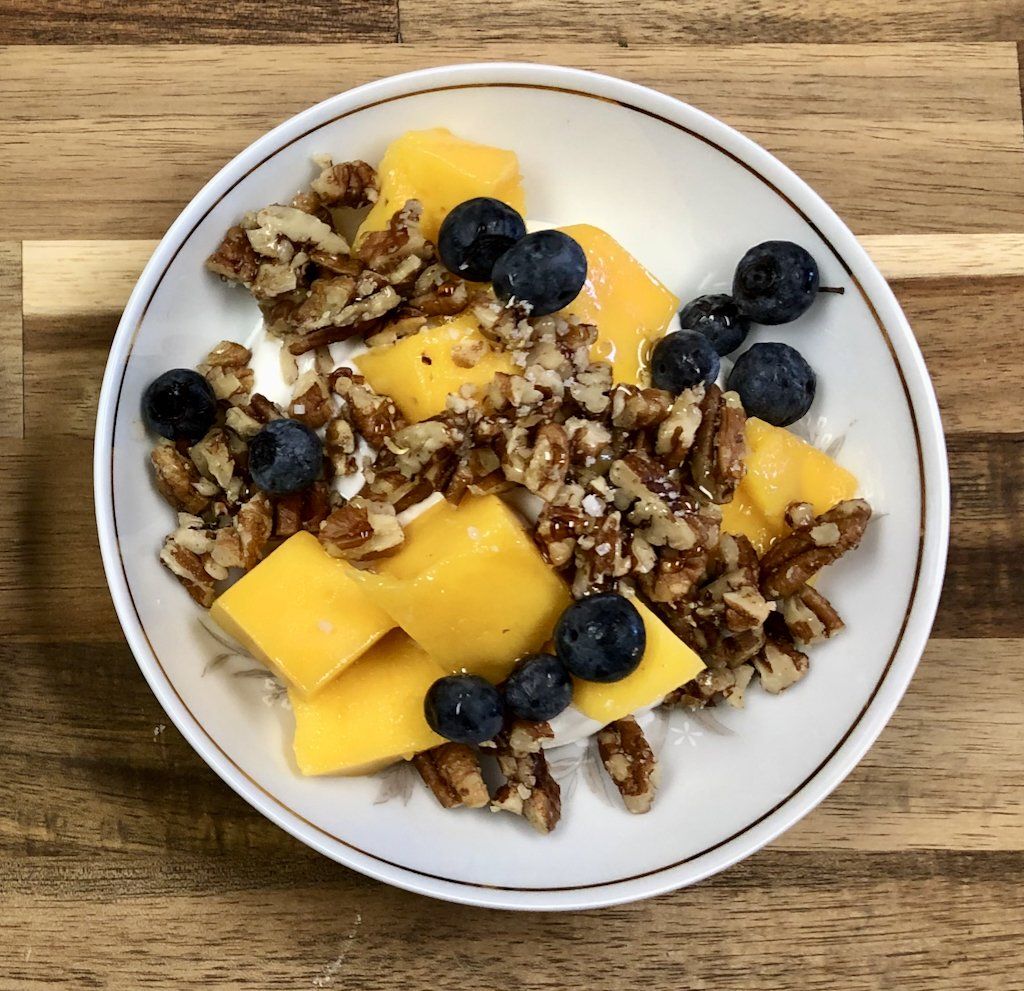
pixel 441 171
pixel 629 306
pixel 371 715
pixel 419 372
pixel 470 587
pixel 667 663
pixel 302 614
pixel 782 469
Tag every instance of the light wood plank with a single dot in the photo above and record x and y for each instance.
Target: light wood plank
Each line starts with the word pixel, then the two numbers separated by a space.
pixel 782 922
pixel 11 371
pixel 178 21
pixel 946 256
pixel 709 22
pixel 937 147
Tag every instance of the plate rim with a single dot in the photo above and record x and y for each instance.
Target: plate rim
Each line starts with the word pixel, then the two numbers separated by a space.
pixel 878 296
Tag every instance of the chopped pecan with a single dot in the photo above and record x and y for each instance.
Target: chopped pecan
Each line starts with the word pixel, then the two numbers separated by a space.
pixel 254 525
pixel 734 595
pixel 340 446
pixel 402 322
pixel 333 335
pixel 227 370
pixel 351 184
pixel 719 446
pixel 779 663
pixel 634 408
pixel 677 574
pixel 549 462
pixel 177 478
pixel 478 471
pixel 529 789
pixel 677 431
pixel 335 264
pixel 557 531
pixel 630 763
pixel 212 457
pixel 791 561
pixel 452 772
pixel 311 400
pixel 439 293
pixel 384 251
pixel 589 389
pixel 235 258
pixel 713 685
pixel 361 530
pixel 277 231
pixel 262 409
pixel 324 304
pixel 375 417
pixel 600 557
pixel 809 616
pixel 243 423
pixel 288 514
pixel 799 514
pixel 189 569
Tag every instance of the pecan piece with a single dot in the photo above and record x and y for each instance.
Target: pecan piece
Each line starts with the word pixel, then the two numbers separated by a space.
pixel 212 457
pixel 719 446
pixel 549 462
pixel 809 616
pixel 791 561
pixel 254 525
pixel 177 478
pixel 630 763
pixel 779 663
pixel 235 259
pixel 340 446
pixel 634 408
pixel 311 400
pixel 227 370
pixel 361 530
pixel 452 772
pixel 189 569
pixel 375 417
pixel 677 431
pixel 676 574
pixel 388 250
pixel 351 184
pixel 529 789
pixel 439 293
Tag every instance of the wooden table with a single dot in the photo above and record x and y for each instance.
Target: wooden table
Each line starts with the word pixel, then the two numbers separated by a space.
pixel 125 862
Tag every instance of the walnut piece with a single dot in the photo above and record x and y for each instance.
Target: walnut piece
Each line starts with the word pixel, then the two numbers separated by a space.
pixel 630 763
pixel 452 772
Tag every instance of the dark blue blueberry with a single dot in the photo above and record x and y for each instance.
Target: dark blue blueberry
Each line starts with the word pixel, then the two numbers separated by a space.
pixel 682 360
pixel 546 270
pixel 476 234
pixel 719 319
pixel 601 638
pixel 464 709
pixel 539 688
pixel 775 282
pixel 285 457
pixel 179 405
pixel 774 383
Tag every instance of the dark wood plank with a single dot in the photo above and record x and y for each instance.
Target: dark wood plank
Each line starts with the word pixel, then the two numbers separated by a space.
pixel 11 365
pixel 781 922
pixel 137 130
pixel 710 22
pixel 93 22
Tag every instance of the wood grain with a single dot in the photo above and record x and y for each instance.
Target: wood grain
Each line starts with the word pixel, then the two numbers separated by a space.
pixel 93 22
pixel 11 373
pixel 125 863
pixel 137 130
pixel 709 22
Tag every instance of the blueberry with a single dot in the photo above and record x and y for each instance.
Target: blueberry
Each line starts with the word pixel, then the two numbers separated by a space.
pixel 285 457
pixel 719 319
pixel 179 405
pixel 476 234
pixel 464 709
pixel 775 282
pixel 683 359
pixel 601 638
pixel 546 270
pixel 539 688
pixel 774 383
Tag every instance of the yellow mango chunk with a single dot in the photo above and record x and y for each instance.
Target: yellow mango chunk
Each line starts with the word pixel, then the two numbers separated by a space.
pixel 629 306
pixel 782 469
pixel 302 614
pixel 441 171
pixel 419 372
pixel 667 663
pixel 470 587
pixel 371 715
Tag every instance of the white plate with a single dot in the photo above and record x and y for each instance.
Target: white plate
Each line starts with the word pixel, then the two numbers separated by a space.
pixel 687 195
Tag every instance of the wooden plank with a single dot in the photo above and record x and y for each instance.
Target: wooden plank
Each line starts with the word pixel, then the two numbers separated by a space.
pixel 969 332
pixel 711 22
pixel 51 580
pixel 193 21
pixel 11 371
pixel 946 256
pixel 137 787
pixel 936 148
pixel 925 922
